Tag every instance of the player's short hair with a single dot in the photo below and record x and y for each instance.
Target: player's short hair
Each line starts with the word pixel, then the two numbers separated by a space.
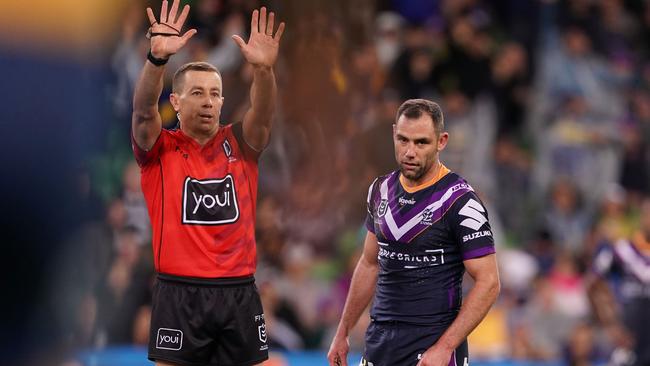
pixel 414 108
pixel 177 81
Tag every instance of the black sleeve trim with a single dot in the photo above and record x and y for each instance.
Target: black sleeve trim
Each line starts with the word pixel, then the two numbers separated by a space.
pixel 247 149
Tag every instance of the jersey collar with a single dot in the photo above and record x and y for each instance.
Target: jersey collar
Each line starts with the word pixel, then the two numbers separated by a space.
pixel 441 173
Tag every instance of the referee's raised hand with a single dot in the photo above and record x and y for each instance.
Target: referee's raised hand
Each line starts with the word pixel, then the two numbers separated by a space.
pixel 264 41
pixel 165 35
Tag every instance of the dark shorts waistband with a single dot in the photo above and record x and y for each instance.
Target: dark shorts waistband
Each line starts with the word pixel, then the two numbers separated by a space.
pixel 200 281
pixel 403 324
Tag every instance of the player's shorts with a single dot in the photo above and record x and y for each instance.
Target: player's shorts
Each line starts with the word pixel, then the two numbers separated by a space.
pixel 207 322
pixel 399 344
pixel 636 318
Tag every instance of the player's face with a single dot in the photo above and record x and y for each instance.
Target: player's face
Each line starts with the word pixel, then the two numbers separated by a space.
pixel 199 102
pixel 417 146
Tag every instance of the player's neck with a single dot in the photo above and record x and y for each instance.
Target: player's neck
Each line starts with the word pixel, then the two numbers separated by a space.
pixel 435 173
pixel 642 242
pixel 200 137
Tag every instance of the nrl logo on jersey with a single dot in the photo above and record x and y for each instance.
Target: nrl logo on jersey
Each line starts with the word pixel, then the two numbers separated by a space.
pixel 227 149
pixel 383 206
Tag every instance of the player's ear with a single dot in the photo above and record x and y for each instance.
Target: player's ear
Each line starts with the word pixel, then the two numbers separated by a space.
pixel 442 141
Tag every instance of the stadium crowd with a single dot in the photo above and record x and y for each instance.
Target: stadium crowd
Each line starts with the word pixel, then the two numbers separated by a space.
pixel 548 107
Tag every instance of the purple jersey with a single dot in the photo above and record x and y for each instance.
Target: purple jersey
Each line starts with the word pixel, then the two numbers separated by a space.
pixel 632 268
pixel 424 237
pixel 627 262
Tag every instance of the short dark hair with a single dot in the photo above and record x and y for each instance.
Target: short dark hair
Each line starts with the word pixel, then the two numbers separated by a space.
pixel 177 81
pixel 414 108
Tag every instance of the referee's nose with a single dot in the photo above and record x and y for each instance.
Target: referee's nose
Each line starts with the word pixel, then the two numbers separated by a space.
pixel 208 102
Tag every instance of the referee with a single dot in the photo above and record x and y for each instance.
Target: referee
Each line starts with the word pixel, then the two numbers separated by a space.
pixel 200 184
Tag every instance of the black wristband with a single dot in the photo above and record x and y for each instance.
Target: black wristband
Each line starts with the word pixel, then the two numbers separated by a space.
pixel 156 61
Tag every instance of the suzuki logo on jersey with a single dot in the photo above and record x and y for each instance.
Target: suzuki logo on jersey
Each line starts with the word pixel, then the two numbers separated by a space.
pixel 476 235
pixel 474 213
pixel 210 202
pixel 170 339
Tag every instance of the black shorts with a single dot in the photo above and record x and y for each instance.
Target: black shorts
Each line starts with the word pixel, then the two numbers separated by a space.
pixel 207 322
pixel 399 344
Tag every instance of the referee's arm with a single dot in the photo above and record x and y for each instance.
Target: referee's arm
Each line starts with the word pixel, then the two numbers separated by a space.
pixel 146 121
pixel 261 51
pixel 361 291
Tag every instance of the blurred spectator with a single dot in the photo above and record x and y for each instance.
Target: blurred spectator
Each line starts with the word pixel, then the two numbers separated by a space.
pixel 137 216
pixel 543 326
pixel 625 316
pixel 414 73
pixel 566 218
pixel 569 293
pixel 305 293
pixel 388 38
pixel 513 179
pixel 125 290
pixel 581 146
pixel 281 335
pixel 510 78
pixel 614 221
pixel 636 148
pixel 377 141
pixel 580 350
pixel 473 127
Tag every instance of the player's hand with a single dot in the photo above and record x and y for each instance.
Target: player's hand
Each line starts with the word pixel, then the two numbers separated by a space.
pixel 435 356
pixel 338 353
pixel 166 38
pixel 262 47
pixel 620 336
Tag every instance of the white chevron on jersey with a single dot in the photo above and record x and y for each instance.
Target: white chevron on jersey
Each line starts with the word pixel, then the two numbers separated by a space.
pixel 474 213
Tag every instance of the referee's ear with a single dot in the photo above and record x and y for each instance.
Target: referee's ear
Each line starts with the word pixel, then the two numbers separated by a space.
pixel 173 99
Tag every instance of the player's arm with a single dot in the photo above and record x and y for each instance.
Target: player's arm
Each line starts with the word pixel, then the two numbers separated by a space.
pixel 261 51
pixel 361 291
pixel 602 300
pixel 166 40
pixel 606 309
pixel 479 300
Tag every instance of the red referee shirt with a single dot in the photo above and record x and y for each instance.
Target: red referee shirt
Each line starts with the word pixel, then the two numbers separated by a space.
pixel 201 202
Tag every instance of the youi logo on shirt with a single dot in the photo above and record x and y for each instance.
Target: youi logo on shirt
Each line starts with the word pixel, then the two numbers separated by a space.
pixel 210 202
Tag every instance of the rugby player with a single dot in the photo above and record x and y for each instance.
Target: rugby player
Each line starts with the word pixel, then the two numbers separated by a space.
pixel 426 227
pixel 626 316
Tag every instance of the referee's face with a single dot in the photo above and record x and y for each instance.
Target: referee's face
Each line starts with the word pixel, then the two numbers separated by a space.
pixel 417 146
pixel 199 102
